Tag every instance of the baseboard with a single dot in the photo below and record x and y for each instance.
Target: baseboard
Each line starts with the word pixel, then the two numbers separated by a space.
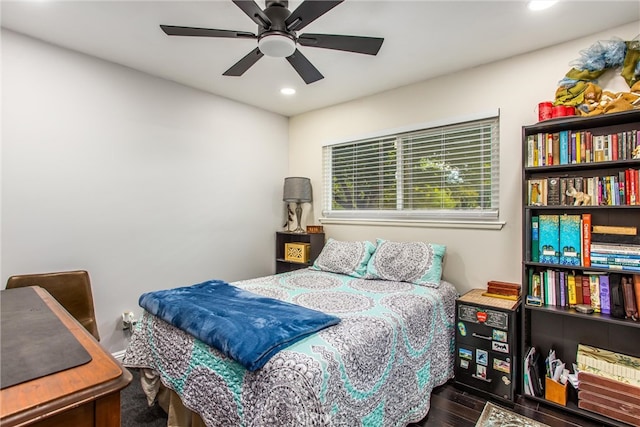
pixel 119 355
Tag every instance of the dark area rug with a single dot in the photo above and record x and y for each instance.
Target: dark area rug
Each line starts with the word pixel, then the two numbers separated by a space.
pixel 134 408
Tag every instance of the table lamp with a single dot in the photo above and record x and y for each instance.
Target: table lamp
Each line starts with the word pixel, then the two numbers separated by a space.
pixel 297 190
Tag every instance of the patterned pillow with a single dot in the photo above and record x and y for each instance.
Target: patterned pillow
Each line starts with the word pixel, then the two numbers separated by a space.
pixel 348 258
pixel 415 262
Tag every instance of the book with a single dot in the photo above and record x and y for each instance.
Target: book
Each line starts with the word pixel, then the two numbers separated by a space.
pixel 630 307
pixel 571 290
pixel 617 267
pixel 579 289
pixel 605 302
pixel 570 244
pixel 564 147
pixel 594 292
pixel 535 240
pixel 609 364
pixel 586 290
pixel 563 191
pixel 549 229
pixel 586 239
pixel 636 288
pixel 615 259
pixel 618 230
pixel 615 248
pixel 555 149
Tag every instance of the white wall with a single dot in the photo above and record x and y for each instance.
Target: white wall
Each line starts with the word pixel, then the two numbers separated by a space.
pixel 144 183
pixel 515 86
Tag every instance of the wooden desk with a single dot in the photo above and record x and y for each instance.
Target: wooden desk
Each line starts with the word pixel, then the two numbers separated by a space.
pixel 87 395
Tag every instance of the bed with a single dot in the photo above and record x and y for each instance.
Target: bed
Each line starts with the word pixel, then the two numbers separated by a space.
pixel 376 367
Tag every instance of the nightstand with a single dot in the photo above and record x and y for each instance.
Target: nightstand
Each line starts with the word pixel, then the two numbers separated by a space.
pixel 487 348
pixel 315 240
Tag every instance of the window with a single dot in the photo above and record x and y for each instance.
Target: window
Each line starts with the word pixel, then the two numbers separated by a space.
pixel 447 172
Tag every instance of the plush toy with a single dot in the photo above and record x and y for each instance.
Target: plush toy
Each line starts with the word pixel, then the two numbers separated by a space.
pixel 579 197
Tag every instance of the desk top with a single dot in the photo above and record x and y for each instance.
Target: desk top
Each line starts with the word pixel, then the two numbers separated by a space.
pixel 66 389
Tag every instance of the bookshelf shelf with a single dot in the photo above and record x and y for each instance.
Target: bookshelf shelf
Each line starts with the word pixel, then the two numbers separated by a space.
pixel 596 317
pixel 556 325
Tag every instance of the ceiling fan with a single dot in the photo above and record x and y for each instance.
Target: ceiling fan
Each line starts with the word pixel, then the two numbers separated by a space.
pixel 277 35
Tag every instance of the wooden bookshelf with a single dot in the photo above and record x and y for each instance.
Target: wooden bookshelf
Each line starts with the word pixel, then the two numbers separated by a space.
pixel 560 327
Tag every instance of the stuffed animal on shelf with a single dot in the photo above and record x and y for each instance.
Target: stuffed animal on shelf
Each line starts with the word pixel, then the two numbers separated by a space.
pixel 579 197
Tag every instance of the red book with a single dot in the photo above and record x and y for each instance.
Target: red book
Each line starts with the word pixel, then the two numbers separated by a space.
pixel 636 174
pixel 633 187
pixel 586 239
pixel 627 184
pixel 578 282
pixel 586 290
pixel 614 146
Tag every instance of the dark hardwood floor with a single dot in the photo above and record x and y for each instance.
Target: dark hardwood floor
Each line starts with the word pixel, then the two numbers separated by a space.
pixel 453 407
pixel 450 407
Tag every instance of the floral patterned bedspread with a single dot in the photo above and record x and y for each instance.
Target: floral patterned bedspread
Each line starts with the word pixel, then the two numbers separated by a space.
pixel 377 367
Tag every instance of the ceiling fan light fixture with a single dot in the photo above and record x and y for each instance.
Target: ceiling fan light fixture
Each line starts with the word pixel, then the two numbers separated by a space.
pixel 277 45
pixel 536 5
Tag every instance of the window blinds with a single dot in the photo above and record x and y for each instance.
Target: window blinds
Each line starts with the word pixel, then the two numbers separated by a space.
pixel 446 171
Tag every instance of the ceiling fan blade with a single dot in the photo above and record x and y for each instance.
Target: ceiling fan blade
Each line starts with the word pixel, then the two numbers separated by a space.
pixel 301 64
pixel 307 12
pixel 356 44
pixel 254 12
pixel 244 64
pixel 172 30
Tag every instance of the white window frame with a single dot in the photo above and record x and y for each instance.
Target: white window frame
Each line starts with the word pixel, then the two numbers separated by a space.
pixel 487 218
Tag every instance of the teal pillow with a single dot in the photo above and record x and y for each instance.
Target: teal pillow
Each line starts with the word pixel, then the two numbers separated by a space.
pixel 350 258
pixel 414 262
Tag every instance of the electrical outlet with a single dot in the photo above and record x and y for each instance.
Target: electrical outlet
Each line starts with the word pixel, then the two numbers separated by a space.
pixel 128 320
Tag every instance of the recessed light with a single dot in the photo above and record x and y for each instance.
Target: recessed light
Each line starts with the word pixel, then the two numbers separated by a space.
pixel 541 4
pixel 287 91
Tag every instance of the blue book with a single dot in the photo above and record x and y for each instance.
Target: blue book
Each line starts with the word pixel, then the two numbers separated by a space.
pixel 549 234
pixel 616 256
pixel 605 300
pixel 570 239
pixel 564 147
pixel 616 267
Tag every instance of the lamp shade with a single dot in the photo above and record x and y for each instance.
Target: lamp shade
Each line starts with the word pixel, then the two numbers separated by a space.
pixel 297 189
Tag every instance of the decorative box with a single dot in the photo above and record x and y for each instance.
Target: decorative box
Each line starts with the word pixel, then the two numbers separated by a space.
pixel 297 252
pixel 315 229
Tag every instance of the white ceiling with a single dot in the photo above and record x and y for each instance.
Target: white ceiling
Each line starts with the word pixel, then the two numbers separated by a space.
pixel 423 39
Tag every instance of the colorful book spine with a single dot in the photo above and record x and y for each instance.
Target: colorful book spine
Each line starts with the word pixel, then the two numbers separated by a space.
pixel 615 249
pixel 615 258
pixel 605 299
pixel 617 267
pixel 579 299
pixel 586 239
pixel 549 229
pixel 564 147
pixel 571 289
pixel 586 290
pixel 570 244
pixel 594 292
pixel 535 240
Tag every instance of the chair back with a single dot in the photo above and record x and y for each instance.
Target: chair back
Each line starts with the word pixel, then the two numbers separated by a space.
pixel 72 289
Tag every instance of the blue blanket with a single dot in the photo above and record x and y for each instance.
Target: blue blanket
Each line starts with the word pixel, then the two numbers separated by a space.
pixel 245 326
